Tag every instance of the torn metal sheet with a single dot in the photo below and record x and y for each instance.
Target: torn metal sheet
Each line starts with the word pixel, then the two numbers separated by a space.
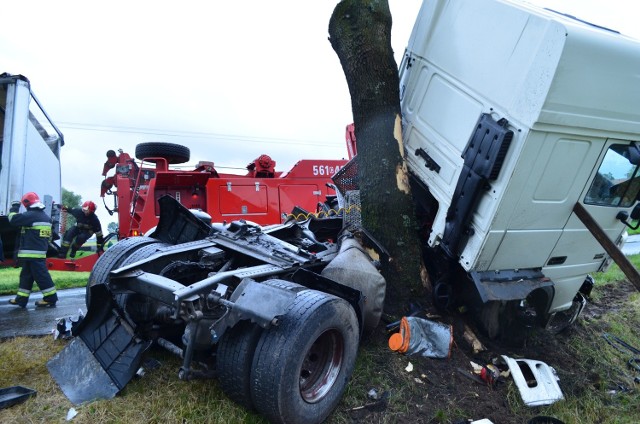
pixel 81 383
pixel 536 381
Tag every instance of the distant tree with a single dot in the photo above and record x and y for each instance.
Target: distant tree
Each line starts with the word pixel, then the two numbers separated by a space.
pixel 69 200
pixel 112 227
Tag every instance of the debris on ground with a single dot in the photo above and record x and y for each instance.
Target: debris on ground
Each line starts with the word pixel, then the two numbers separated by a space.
pixel 14 395
pixel 422 337
pixel 472 339
pixel 536 381
pixel 378 405
pixel 71 414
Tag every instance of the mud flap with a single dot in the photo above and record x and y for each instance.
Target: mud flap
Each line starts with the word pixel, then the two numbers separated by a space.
pixel 104 356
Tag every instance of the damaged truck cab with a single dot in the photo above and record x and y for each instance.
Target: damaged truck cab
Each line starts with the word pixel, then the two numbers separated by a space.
pixel 512 115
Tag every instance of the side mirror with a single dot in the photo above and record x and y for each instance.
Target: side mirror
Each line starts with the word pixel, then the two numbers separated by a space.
pixel 634 154
pixel 635 213
pixel 635 216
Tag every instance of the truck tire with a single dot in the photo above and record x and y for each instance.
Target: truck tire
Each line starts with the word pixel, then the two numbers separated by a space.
pixel 500 320
pixel 139 308
pixel 233 361
pixel 235 352
pixel 112 259
pixel 173 153
pixel 301 367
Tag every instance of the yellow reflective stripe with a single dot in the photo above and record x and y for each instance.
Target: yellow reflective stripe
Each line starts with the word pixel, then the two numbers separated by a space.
pixel 23 294
pixel 43 228
pixel 39 225
pixel 49 292
pixel 31 254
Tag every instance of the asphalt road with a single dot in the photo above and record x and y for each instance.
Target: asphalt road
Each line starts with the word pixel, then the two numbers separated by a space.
pixel 32 321
pixel 632 245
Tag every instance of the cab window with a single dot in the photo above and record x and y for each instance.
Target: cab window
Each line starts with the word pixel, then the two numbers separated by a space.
pixel 617 182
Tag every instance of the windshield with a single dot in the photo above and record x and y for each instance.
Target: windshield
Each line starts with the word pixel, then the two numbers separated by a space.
pixel 617 182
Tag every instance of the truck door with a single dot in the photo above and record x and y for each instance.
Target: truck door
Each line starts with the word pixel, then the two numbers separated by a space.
pixel 613 187
pixel 615 184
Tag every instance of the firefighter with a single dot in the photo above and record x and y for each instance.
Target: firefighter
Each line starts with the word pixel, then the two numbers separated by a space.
pixel 35 233
pixel 87 224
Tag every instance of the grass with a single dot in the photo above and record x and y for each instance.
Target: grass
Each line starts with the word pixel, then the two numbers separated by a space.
pixel 611 397
pixel 160 396
pixel 632 231
pixel 10 278
pixel 614 273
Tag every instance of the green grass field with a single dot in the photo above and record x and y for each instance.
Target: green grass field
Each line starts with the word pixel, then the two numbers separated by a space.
pixel 9 278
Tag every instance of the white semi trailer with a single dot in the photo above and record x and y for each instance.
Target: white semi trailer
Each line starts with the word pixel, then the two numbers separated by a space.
pixel 30 146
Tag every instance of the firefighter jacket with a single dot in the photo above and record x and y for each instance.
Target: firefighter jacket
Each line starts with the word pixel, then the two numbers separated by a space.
pixel 35 232
pixel 88 224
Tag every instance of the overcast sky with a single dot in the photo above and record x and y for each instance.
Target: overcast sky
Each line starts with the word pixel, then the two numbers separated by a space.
pixel 229 79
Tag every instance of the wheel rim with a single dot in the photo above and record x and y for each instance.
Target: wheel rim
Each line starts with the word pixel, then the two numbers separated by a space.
pixel 321 366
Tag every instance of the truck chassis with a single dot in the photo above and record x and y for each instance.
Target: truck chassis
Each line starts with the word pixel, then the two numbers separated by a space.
pixel 246 304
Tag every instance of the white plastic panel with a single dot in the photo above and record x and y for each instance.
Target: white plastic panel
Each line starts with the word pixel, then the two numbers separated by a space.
pixel 525 249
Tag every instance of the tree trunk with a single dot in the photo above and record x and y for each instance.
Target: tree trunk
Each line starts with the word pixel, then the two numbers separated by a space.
pixel 360 34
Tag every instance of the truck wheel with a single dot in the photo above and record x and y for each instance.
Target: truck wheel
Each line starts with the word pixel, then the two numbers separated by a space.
pixel 301 367
pixel 234 354
pixel 233 361
pixel 442 295
pixel 138 307
pixel 112 259
pixel 502 320
pixel 173 153
pixel 284 284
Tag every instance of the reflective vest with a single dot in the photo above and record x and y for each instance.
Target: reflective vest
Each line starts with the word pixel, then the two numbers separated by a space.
pixel 35 232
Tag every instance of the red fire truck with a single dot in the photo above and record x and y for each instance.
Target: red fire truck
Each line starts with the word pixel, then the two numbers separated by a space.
pixel 262 195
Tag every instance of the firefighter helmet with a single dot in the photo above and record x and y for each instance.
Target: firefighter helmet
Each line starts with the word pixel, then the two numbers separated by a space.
pixel 89 206
pixel 31 200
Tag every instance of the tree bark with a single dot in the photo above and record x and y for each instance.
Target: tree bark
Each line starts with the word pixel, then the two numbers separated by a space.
pixel 360 34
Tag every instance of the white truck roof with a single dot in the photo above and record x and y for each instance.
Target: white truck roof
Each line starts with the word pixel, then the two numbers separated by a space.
pixel 540 65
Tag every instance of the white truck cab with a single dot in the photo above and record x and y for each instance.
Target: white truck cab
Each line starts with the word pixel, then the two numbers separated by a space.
pixel 512 114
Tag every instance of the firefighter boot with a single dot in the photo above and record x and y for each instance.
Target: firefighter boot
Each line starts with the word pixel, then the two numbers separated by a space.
pixel 49 298
pixel 17 301
pixel 45 303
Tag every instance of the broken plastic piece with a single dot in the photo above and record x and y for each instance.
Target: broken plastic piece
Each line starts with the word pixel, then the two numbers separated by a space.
pixel 71 414
pixel 62 330
pixel 490 374
pixel 422 337
pixel 536 381
pixel 15 394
